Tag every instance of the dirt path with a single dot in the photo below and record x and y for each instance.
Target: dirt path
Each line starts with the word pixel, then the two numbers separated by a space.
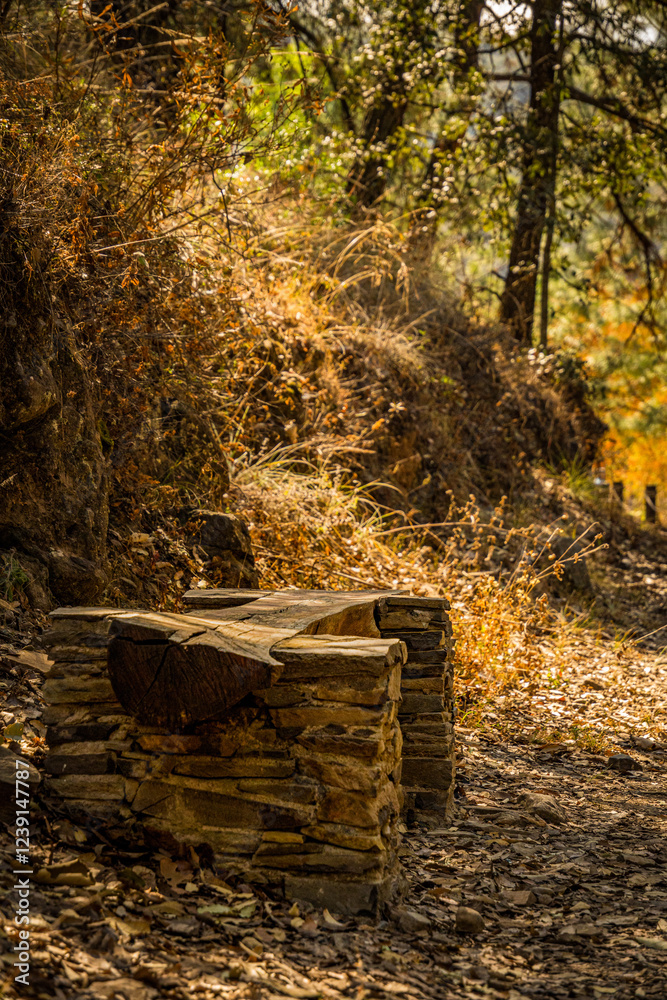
pixel 563 860
pixel 572 909
pixel 576 908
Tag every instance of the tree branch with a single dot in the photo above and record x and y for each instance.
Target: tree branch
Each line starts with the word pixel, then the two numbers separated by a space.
pixel 314 44
pixel 614 108
pixel 651 254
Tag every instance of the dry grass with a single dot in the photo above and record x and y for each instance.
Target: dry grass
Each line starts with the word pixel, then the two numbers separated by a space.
pixel 310 530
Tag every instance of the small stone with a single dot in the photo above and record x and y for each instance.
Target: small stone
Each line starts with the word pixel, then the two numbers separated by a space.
pixel 519 897
pixel 544 806
pixel 8 768
pixel 645 860
pixel 469 921
pixel 584 929
pixel 253 945
pixel 646 743
pixel 478 972
pixel 623 763
pixel 411 921
pixel 649 942
pixel 225 537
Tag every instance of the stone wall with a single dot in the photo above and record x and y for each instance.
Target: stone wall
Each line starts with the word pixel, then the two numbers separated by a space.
pixel 426 709
pixel 303 783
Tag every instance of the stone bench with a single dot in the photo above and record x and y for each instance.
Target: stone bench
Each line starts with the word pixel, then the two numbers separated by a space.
pixel 286 732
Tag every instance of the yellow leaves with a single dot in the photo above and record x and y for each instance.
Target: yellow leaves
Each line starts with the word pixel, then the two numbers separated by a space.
pixel 637 460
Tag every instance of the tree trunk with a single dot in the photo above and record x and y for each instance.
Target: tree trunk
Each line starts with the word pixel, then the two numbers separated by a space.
pixel 368 177
pixel 546 272
pixel 517 303
pixel 407 44
pixel 466 36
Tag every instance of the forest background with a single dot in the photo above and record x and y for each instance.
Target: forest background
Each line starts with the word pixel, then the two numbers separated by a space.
pixel 342 268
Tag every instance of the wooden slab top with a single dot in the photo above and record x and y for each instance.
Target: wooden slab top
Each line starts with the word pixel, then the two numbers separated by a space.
pixel 175 669
pixel 232 598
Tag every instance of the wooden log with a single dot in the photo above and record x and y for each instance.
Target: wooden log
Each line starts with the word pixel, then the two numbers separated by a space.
pixel 171 677
pixel 173 670
pixel 307 612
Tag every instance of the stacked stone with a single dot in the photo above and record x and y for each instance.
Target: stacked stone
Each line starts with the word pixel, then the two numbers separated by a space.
pixel 426 712
pixel 298 785
pixel 336 705
pixel 87 728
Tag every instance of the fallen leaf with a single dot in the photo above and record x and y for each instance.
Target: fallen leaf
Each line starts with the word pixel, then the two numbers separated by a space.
pixel 309 927
pixel 252 945
pixel 66 916
pixel 216 909
pixel 520 897
pixel 170 907
pixel 14 731
pixel 583 929
pixel 554 747
pixel 130 927
pixel 32 659
pixel 175 873
pixel 330 921
pixel 658 944
pixel 616 920
pixel 139 538
pixel 71 873
pixel 187 927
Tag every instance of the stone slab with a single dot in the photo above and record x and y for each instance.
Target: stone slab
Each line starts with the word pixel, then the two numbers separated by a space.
pixel 341 896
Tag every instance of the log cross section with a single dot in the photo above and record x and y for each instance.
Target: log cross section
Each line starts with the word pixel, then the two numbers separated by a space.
pixel 174 670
